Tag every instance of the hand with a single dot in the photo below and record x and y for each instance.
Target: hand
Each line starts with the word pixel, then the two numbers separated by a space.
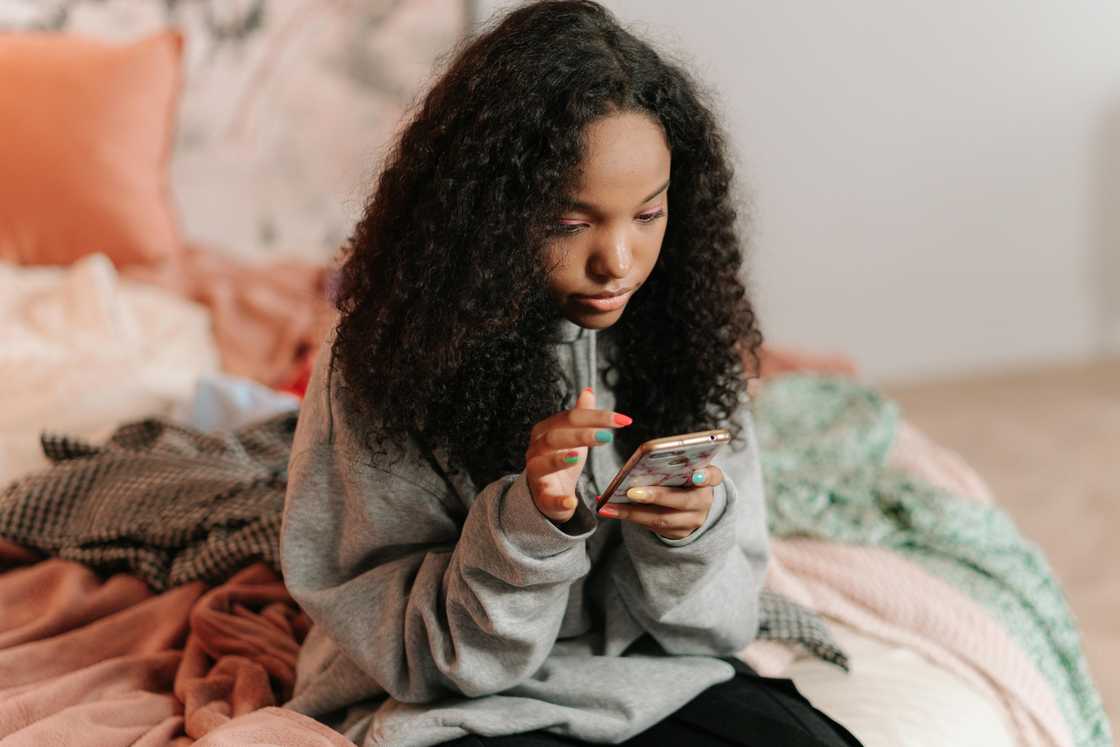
pixel 567 434
pixel 671 512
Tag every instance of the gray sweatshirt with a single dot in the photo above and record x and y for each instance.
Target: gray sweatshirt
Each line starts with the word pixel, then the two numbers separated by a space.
pixel 442 609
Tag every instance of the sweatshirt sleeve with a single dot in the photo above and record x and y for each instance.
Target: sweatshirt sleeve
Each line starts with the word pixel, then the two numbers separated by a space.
pixel 700 595
pixel 428 597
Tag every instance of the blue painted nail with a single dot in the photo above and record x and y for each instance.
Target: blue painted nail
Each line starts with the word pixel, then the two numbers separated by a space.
pixel 698 477
pixel 604 436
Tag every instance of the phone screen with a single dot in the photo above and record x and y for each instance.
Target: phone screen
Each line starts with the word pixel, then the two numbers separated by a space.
pixel 665 461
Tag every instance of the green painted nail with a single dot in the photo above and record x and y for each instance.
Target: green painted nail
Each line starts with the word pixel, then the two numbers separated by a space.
pixel 571 460
pixel 604 436
pixel 698 477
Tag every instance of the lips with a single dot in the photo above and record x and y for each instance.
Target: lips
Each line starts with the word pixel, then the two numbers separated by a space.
pixel 607 295
pixel 605 304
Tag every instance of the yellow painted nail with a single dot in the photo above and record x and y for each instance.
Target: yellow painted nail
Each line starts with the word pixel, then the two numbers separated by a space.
pixel 570 502
pixel 639 494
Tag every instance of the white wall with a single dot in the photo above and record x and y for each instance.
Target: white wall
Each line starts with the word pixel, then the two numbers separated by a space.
pixel 935 186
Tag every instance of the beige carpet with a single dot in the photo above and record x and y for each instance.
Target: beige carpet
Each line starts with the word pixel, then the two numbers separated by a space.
pixel 1047 440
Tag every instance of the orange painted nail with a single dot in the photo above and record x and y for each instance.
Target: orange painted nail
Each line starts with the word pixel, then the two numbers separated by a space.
pixel 620 419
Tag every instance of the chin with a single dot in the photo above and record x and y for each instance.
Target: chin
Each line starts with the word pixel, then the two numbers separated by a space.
pixel 597 320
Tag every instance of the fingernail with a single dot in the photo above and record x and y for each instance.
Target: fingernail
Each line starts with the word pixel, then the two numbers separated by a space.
pixel 604 436
pixel 697 477
pixel 571 458
pixel 620 419
pixel 609 511
pixel 639 494
pixel 586 389
pixel 570 502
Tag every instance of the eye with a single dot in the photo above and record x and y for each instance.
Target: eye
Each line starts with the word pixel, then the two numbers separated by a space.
pixel 567 229
pixel 651 217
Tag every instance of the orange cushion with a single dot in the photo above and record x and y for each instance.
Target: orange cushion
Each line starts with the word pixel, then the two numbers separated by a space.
pixel 86 131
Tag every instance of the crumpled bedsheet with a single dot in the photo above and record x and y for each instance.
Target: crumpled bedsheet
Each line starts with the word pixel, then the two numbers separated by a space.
pixel 85 350
pixel 100 662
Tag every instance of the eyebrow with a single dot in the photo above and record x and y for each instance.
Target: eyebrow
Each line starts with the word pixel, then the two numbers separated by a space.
pixel 577 205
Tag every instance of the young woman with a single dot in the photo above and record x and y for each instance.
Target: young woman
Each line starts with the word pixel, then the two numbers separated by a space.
pixel 459 424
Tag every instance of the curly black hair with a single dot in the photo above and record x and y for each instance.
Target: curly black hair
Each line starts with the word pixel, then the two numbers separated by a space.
pixel 443 296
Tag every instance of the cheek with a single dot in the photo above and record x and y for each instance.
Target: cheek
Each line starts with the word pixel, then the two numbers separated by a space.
pixel 562 261
pixel 651 249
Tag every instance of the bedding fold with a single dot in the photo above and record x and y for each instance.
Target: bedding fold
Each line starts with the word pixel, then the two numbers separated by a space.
pixel 84 351
pixel 267 317
pixel 172 505
pixel 199 640
pixel 826 443
pixel 97 662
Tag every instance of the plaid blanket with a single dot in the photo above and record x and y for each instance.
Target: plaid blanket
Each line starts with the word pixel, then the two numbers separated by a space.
pixel 170 505
pixel 160 501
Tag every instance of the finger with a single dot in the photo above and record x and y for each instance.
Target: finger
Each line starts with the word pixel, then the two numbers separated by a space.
pixel 558 507
pixel 586 415
pixel 586 399
pixel 680 499
pixel 569 438
pixel 583 414
pixel 554 461
pixel 659 519
pixel 709 476
pixel 589 420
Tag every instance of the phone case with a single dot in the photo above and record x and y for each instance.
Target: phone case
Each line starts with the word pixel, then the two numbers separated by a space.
pixel 670 460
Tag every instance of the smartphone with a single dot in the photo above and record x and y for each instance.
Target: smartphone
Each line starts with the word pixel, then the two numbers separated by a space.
pixel 669 460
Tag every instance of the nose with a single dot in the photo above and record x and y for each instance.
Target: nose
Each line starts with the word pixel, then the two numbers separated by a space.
pixel 613 254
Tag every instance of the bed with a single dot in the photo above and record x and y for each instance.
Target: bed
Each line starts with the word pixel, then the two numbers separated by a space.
pixel 127 343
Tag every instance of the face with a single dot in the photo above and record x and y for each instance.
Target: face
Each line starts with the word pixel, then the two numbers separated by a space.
pixel 610 236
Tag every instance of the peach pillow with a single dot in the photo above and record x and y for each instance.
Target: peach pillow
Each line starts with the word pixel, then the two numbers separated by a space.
pixel 86 131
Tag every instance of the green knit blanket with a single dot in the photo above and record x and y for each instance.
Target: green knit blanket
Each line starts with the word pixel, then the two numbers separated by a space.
pixel 824 442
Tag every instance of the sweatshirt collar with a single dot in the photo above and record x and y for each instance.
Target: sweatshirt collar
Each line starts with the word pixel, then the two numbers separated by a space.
pixel 568 331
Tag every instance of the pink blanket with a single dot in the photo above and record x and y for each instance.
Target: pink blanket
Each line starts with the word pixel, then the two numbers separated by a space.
pixel 103 661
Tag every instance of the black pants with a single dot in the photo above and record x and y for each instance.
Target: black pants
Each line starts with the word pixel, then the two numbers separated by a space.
pixel 748 710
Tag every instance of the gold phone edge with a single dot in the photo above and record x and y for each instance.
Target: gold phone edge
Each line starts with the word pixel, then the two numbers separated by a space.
pixel 663 444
